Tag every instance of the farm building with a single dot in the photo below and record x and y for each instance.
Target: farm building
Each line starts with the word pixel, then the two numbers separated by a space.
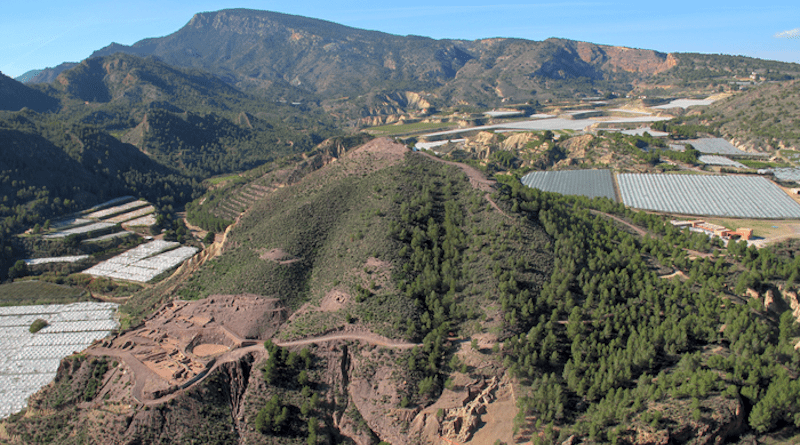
pixel 715 229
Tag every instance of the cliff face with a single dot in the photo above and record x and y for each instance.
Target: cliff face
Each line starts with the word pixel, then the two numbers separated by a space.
pixel 620 58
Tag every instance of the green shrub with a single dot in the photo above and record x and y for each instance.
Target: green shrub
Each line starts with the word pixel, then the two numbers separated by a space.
pixel 38 325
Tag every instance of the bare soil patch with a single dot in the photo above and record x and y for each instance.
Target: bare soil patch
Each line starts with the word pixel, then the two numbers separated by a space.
pixel 376 272
pixel 375 263
pixel 279 256
pixel 208 349
pixel 375 155
pixel 677 273
pixel 334 300
pixel 497 421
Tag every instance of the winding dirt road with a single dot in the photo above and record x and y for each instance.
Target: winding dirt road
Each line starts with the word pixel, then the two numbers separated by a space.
pixel 476 178
pixel 142 374
pixel 366 337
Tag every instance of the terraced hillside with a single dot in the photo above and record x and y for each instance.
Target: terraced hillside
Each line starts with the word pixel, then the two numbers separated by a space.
pixel 231 196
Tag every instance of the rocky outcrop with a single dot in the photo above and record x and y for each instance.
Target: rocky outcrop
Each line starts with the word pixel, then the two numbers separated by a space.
pixel 794 304
pixel 721 418
pixel 374 391
pixel 769 300
pixel 620 58
pixel 518 141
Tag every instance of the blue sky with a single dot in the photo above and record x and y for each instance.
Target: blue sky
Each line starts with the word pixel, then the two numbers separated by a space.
pixel 46 33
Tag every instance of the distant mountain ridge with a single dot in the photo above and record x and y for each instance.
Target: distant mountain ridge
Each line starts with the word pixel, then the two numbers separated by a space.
pixel 27 76
pixel 15 95
pixel 262 51
pixel 302 58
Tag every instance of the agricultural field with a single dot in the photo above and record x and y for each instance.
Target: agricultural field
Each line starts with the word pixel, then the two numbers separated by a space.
pixel 143 263
pixel 80 230
pixel 56 259
pixel 108 237
pixel 109 203
pixel 34 292
pixel 642 130
pixel 132 215
pixel 788 174
pixel 728 196
pixel 790 155
pixel 552 124
pixel 143 221
pixel 220 179
pixel 589 183
pixel 394 130
pixel 432 145
pixel 720 160
pixel 102 222
pixel 500 114
pixel 685 103
pixel 29 360
pixel 100 214
pixel 69 223
pixel 718 146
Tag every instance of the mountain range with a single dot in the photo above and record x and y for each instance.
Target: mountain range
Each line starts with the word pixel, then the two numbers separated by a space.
pixel 301 58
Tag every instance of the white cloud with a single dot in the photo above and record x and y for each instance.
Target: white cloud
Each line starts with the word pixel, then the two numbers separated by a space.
pixel 790 34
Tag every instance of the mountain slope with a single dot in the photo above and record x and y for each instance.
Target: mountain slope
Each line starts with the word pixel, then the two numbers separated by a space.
pixel 134 80
pixel 516 299
pixel 184 118
pixel 48 75
pixel 50 169
pixel 27 76
pixel 266 51
pixel 14 96
pixel 763 118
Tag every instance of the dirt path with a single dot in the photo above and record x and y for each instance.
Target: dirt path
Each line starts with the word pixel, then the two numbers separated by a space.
pixel 494 204
pixel 142 375
pixel 366 337
pixel 677 273
pixel 196 231
pixel 636 229
pixel 643 232
pixel 476 178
